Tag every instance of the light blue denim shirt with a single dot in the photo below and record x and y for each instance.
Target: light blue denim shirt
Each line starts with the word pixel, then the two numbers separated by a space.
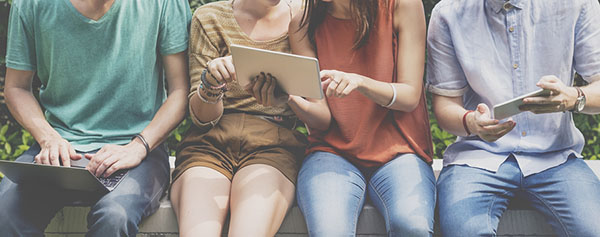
pixel 489 51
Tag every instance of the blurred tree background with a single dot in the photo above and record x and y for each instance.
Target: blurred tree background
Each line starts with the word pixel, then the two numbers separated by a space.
pixel 14 140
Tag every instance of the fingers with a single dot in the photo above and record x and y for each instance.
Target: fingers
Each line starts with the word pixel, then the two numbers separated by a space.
pixel 339 90
pixel 257 88
pixel 540 101
pixel 43 157
pixel 271 91
pixel 73 154
pixel 231 70
pixel 105 165
pixel 332 87
pixel 113 168
pixel 54 156
pixel 264 91
pixel 484 110
pixel 225 76
pixel 495 132
pixel 541 109
pixel 96 160
pixel 325 83
pixel 65 156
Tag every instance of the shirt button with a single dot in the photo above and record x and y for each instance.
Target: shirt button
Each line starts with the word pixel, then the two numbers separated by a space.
pixel 524 133
pixel 507 6
pixel 515 66
pixel 511 29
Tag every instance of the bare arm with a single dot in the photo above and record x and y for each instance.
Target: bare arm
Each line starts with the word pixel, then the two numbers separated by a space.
pixel 27 111
pixel 409 23
pixel 315 113
pixel 112 158
pixel 592 94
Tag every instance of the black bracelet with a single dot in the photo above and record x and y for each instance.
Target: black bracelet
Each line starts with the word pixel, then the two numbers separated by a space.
pixel 139 136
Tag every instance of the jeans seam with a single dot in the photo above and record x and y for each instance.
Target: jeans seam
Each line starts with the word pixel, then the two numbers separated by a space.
pixel 387 214
pixel 489 216
pixel 551 210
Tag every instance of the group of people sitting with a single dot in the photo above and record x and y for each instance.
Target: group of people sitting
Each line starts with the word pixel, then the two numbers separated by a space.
pixel 116 78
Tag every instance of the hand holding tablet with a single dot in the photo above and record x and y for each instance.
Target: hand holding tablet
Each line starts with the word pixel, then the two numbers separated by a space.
pixel 296 75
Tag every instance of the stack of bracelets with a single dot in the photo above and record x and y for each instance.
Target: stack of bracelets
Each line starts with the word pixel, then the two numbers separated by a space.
pixel 214 93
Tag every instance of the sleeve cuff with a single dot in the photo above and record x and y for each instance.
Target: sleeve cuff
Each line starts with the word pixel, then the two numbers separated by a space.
pixel 592 79
pixel 174 49
pixel 447 92
pixel 19 66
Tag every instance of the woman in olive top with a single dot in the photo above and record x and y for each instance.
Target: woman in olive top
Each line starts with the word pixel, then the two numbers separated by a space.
pixel 378 141
pixel 241 153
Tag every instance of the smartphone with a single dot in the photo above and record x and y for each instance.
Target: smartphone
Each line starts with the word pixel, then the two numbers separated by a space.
pixel 511 107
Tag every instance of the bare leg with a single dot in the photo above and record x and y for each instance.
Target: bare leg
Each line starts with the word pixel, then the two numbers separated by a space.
pixel 260 198
pixel 200 198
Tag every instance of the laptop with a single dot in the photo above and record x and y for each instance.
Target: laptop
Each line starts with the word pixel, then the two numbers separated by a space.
pixel 295 74
pixel 67 178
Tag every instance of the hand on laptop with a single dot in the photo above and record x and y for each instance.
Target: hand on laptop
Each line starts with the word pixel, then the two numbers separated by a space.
pixel 562 98
pixel 481 124
pixel 55 151
pixel 264 88
pixel 222 69
pixel 112 158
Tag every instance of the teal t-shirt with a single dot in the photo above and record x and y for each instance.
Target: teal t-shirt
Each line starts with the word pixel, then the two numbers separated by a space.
pixel 102 81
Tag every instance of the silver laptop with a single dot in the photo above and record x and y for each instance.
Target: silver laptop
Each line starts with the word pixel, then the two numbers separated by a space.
pixel 67 178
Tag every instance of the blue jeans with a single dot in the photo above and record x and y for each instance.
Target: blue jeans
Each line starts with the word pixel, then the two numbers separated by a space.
pixel 471 200
pixel 332 191
pixel 27 210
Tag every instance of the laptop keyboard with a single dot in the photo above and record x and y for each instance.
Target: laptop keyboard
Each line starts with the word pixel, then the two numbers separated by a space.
pixel 112 181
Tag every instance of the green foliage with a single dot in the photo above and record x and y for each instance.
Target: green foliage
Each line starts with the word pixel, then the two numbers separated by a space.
pixel 177 135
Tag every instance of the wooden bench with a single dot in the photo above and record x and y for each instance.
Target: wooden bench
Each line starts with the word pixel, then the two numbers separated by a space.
pixel 518 220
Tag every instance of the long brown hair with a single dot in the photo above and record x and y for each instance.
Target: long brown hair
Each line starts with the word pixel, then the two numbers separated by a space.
pixel 363 13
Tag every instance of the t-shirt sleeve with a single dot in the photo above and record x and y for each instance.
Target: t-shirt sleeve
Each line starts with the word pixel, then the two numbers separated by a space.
pixel 444 73
pixel 587 41
pixel 202 50
pixel 174 25
pixel 20 50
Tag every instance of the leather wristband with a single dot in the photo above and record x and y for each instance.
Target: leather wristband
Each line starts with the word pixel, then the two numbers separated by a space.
pixel 143 140
pixel 464 122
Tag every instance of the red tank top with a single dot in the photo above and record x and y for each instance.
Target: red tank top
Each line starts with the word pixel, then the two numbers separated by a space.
pixel 362 131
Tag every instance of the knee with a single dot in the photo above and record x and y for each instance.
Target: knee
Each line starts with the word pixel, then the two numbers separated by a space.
pixel 410 226
pixel 114 219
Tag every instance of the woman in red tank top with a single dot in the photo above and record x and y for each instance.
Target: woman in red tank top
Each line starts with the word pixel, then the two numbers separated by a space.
pixel 376 141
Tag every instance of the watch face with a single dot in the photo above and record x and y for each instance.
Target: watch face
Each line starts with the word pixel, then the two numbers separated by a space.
pixel 581 104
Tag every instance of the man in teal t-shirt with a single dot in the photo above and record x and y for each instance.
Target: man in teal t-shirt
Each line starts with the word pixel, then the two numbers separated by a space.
pixel 104 66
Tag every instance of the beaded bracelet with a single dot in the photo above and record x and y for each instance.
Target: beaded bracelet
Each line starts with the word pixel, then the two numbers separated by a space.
pixel 205 100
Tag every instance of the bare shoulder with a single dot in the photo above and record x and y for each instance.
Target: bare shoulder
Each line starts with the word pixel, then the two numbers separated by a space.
pixel 297 7
pixel 405 6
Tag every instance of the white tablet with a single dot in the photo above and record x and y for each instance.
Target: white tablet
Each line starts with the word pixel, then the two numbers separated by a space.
pixel 296 75
pixel 511 107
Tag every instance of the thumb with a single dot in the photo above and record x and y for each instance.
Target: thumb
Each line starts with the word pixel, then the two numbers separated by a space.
pixel 484 110
pixel 325 84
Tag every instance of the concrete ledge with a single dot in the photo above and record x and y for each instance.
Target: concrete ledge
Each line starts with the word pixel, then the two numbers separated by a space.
pixel 517 221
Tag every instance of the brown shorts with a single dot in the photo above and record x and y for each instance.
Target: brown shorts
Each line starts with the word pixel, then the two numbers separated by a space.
pixel 239 140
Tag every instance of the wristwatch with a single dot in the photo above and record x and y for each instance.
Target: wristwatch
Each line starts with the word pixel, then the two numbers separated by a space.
pixel 580 102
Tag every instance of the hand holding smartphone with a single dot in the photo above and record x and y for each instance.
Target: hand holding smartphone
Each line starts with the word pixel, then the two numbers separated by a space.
pixel 511 107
